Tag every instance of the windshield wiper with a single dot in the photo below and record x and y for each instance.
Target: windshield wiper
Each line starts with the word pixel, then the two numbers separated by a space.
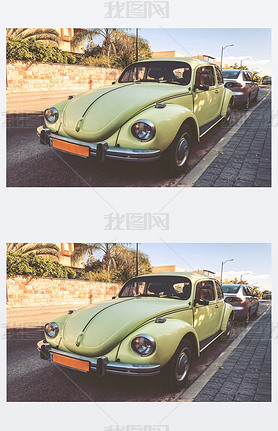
pixel 172 296
pixel 171 81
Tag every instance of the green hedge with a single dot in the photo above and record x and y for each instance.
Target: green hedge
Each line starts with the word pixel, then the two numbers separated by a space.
pixel 33 51
pixel 36 266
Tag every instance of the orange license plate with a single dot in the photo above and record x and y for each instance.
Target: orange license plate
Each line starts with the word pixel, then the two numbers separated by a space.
pixel 77 364
pixel 70 148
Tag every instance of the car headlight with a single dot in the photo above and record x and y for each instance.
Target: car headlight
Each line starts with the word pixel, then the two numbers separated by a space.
pixel 143 130
pixel 51 115
pixel 51 329
pixel 143 345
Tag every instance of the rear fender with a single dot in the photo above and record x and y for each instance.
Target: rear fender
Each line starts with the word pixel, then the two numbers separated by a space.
pixel 227 312
pixel 228 96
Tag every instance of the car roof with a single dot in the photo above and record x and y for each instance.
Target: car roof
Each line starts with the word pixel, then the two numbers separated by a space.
pixel 192 275
pixel 191 60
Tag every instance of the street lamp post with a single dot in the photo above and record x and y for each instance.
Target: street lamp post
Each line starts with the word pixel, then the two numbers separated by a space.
pixel 137 258
pixel 222 264
pixel 137 45
pixel 222 50
pixel 246 273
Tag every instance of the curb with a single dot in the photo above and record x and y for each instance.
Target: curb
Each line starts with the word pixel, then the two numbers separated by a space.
pixel 191 178
pixel 189 394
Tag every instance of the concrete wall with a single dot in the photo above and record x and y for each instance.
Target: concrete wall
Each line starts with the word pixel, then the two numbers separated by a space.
pixel 29 77
pixel 39 292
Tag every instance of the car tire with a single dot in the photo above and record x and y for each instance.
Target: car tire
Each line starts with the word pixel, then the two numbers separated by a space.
pixel 228 115
pixel 247 317
pixel 177 154
pixel 229 326
pixel 247 103
pixel 178 367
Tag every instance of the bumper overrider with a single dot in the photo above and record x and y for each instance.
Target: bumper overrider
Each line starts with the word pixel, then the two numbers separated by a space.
pixel 101 150
pixel 99 365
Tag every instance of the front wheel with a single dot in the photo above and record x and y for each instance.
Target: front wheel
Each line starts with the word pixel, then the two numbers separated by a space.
pixel 179 365
pixel 177 155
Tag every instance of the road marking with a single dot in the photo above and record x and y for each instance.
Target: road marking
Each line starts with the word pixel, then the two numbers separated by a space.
pixel 189 394
pixel 190 179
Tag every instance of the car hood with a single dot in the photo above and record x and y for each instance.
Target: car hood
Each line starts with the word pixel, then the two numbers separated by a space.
pixel 97 329
pixel 96 115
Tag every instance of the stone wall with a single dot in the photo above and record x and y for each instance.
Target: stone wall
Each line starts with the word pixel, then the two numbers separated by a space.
pixel 29 77
pixel 39 292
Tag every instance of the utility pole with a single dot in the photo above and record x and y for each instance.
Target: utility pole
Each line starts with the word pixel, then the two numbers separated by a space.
pixel 137 258
pixel 137 44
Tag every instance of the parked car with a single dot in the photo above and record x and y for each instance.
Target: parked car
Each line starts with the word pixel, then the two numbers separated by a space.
pixel 157 107
pixel 157 322
pixel 266 295
pixel 240 297
pixel 267 80
pixel 244 88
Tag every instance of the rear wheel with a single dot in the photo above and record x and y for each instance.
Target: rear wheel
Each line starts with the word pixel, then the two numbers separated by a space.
pixel 177 155
pixel 229 326
pixel 178 367
pixel 247 103
pixel 229 112
pixel 247 318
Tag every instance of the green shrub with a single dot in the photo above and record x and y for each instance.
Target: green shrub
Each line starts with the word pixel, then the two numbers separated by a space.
pixel 36 266
pixel 30 50
pixel 101 275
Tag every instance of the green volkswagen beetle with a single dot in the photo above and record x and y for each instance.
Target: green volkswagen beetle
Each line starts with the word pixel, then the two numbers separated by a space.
pixel 157 322
pixel 157 109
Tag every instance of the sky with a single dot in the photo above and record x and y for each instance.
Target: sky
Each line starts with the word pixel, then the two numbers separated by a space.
pixel 252 46
pixel 251 261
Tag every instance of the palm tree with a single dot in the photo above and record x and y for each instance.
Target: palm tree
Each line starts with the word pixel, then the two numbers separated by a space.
pixel 40 34
pixel 87 35
pixel 40 249
pixel 112 253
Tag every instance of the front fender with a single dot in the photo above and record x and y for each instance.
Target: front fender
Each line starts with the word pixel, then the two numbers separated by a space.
pixel 228 96
pixel 60 106
pixel 60 321
pixel 227 312
pixel 167 122
pixel 167 336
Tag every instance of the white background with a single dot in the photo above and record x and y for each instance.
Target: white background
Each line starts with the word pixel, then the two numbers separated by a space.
pixel 77 215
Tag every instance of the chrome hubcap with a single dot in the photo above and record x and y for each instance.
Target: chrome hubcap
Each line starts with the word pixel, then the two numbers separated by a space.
pixel 182 366
pixel 182 151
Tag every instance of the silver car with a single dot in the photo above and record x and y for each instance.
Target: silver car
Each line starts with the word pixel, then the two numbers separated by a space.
pixel 242 300
pixel 242 85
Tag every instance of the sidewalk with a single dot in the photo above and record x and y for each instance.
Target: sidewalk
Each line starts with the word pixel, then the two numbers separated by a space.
pixel 244 161
pixel 246 374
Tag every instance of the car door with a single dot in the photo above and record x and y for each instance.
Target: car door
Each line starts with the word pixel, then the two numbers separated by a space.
pixel 206 103
pixel 252 299
pixel 206 317
pixel 220 302
pixel 250 84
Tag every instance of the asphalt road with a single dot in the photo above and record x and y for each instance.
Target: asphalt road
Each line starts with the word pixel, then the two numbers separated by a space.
pixel 30 378
pixel 30 164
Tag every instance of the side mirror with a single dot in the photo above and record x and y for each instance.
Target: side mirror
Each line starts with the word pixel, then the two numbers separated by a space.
pixel 201 87
pixel 201 301
pixel 114 82
pixel 113 297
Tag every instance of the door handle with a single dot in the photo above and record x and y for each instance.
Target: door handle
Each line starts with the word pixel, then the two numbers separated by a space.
pixel 216 91
pixel 216 306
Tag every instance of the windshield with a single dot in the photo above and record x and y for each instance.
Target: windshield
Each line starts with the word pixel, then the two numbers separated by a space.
pixel 175 72
pixel 230 288
pixel 230 74
pixel 158 286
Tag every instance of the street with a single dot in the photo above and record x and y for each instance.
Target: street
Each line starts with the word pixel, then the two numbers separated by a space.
pixel 30 378
pixel 30 164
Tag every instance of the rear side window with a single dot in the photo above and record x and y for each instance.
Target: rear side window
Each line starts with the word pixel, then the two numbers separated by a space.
pixel 219 290
pixel 205 76
pixel 219 76
pixel 205 290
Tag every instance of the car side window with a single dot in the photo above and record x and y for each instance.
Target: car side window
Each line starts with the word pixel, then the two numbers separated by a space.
pixel 246 292
pixel 219 290
pixel 205 290
pixel 219 76
pixel 246 76
pixel 205 76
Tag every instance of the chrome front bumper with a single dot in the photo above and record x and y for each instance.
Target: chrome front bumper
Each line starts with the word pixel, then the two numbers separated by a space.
pixel 101 365
pixel 101 150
